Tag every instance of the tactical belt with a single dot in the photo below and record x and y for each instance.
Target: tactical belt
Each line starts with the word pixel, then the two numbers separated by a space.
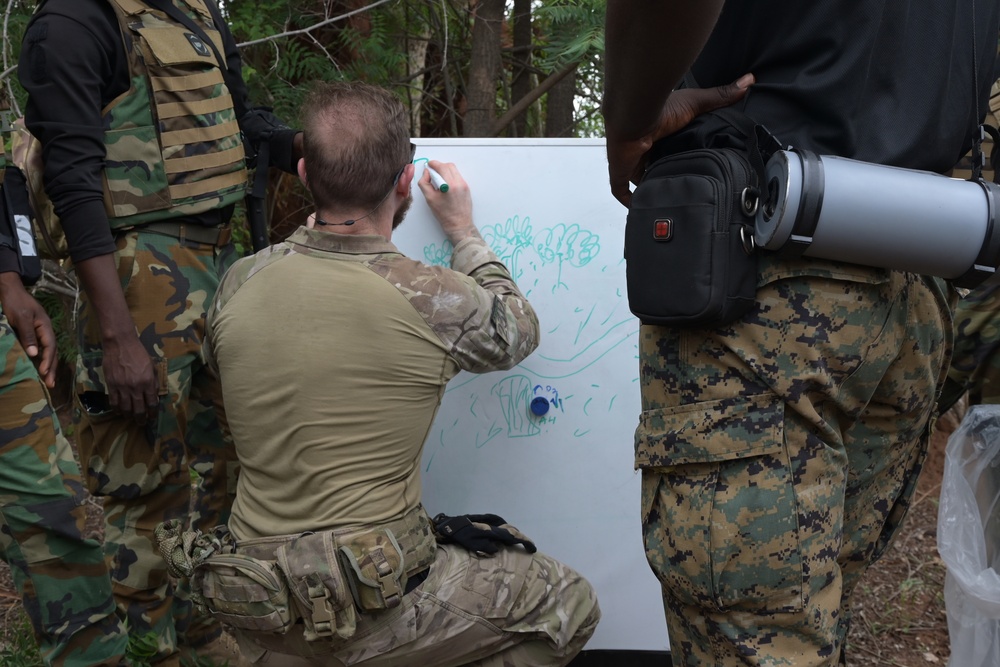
pixel 413 531
pixel 217 236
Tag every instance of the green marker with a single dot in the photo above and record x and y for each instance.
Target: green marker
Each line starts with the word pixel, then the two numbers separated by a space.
pixel 437 181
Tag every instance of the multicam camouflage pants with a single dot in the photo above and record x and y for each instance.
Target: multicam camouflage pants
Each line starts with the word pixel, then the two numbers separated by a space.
pixel 511 610
pixel 779 456
pixel 61 574
pixel 144 472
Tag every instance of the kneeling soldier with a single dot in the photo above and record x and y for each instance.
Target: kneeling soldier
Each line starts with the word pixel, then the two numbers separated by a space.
pixel 329 554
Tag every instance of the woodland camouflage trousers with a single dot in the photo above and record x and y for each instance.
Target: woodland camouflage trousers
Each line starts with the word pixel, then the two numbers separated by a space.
pixel 779 455
pixel 143 472
pixel 60 573
pixel 976 365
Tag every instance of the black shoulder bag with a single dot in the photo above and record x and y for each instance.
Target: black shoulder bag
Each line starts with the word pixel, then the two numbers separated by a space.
pixel 689 250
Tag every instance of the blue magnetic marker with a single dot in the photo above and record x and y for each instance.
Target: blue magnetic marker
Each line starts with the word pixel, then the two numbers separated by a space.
pixel 539 405
pixel 438 182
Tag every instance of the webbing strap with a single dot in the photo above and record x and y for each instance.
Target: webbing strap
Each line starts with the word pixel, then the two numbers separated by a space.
pixel 198 134
pixel 761 144
pixel 190 108
pixel 180 165
pixel 208 185
pixel 995 153
pixel 810 203
pixel 989 254
pixel 186 82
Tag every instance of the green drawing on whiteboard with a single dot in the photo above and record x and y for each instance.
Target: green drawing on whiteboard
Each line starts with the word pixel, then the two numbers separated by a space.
pixel 439 256
pixel 562 245
pixel 585 326
pixel 566 245
pixel 515 393
pixel 509 241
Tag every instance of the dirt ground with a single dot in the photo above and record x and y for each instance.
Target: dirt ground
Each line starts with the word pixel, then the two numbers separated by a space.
pixel 899 612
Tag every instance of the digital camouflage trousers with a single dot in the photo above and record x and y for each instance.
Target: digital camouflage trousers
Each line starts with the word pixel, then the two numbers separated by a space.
pixel 779 455
pixel 60 572
pixel 513 609
pixel 144 472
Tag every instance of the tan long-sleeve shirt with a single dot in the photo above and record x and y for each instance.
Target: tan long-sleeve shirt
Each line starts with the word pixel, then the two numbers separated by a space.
pixel 334 352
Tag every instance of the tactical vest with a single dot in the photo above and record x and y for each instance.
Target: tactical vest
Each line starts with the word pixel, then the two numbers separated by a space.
pixel 172 140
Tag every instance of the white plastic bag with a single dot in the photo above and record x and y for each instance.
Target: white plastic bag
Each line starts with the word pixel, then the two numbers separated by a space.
pixel 969 538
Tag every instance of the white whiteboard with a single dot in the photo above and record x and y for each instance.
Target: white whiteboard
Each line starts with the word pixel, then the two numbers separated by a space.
pixel 566 479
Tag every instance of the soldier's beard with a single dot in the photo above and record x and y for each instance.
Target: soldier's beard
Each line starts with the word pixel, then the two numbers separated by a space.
pixel 400 213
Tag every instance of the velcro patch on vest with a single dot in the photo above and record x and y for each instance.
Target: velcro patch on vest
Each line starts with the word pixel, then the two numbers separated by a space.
pixel 498 317
pixel 198 44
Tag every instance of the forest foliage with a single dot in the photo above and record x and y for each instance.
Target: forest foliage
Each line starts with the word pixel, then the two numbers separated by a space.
pixel 463 68
pixel 538 58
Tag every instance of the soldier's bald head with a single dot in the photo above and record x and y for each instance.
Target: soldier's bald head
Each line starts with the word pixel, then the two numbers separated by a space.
pixel 356 140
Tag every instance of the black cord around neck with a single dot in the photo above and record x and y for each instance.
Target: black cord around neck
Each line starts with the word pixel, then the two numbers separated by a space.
pixel 348 223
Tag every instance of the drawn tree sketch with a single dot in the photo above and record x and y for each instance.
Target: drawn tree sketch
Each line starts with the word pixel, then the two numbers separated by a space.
pixel 439 255
pixel 509 240
pixel 564 244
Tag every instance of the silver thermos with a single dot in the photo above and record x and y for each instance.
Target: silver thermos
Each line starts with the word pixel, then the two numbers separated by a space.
pixel 840 209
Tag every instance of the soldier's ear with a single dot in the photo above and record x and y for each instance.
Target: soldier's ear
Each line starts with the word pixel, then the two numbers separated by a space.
pixel 300 167
pixel 405 178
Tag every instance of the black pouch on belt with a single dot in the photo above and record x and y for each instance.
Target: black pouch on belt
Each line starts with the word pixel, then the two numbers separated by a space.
pixel 690 259
pixel 689 253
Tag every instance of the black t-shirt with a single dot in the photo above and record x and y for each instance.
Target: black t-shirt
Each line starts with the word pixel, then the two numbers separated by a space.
pixel 886 81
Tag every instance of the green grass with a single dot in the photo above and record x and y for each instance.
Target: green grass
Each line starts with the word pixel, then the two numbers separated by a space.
pixel 19 647
pixel 141 649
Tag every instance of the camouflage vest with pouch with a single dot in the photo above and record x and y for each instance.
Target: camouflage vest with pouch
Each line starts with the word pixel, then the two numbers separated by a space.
pixel 176 121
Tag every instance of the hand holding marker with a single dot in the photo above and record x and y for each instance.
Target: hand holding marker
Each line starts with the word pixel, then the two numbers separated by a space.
pixel 437 181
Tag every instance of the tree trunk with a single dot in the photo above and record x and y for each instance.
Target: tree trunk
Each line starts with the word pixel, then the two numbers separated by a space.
pixel 483 67
pixel 559 107
pixel 417 55
pixel 521 83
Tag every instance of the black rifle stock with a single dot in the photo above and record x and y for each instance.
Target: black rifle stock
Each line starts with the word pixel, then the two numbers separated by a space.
pixel 257 198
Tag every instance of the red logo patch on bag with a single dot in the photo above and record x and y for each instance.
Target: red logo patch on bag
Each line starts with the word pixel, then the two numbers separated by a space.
pixel 663 229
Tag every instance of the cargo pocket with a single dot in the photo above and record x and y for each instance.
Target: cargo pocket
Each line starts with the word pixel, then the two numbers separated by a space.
pixel 492 585
pixel 719 516
pixel 244 592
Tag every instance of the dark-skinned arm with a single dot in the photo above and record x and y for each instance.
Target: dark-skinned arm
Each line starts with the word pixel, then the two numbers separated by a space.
pixel 128 369
pixel 649 45
pixel 31 324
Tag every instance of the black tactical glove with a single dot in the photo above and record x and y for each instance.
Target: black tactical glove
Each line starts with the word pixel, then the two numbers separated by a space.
pixel 260 124
pixel 480 533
